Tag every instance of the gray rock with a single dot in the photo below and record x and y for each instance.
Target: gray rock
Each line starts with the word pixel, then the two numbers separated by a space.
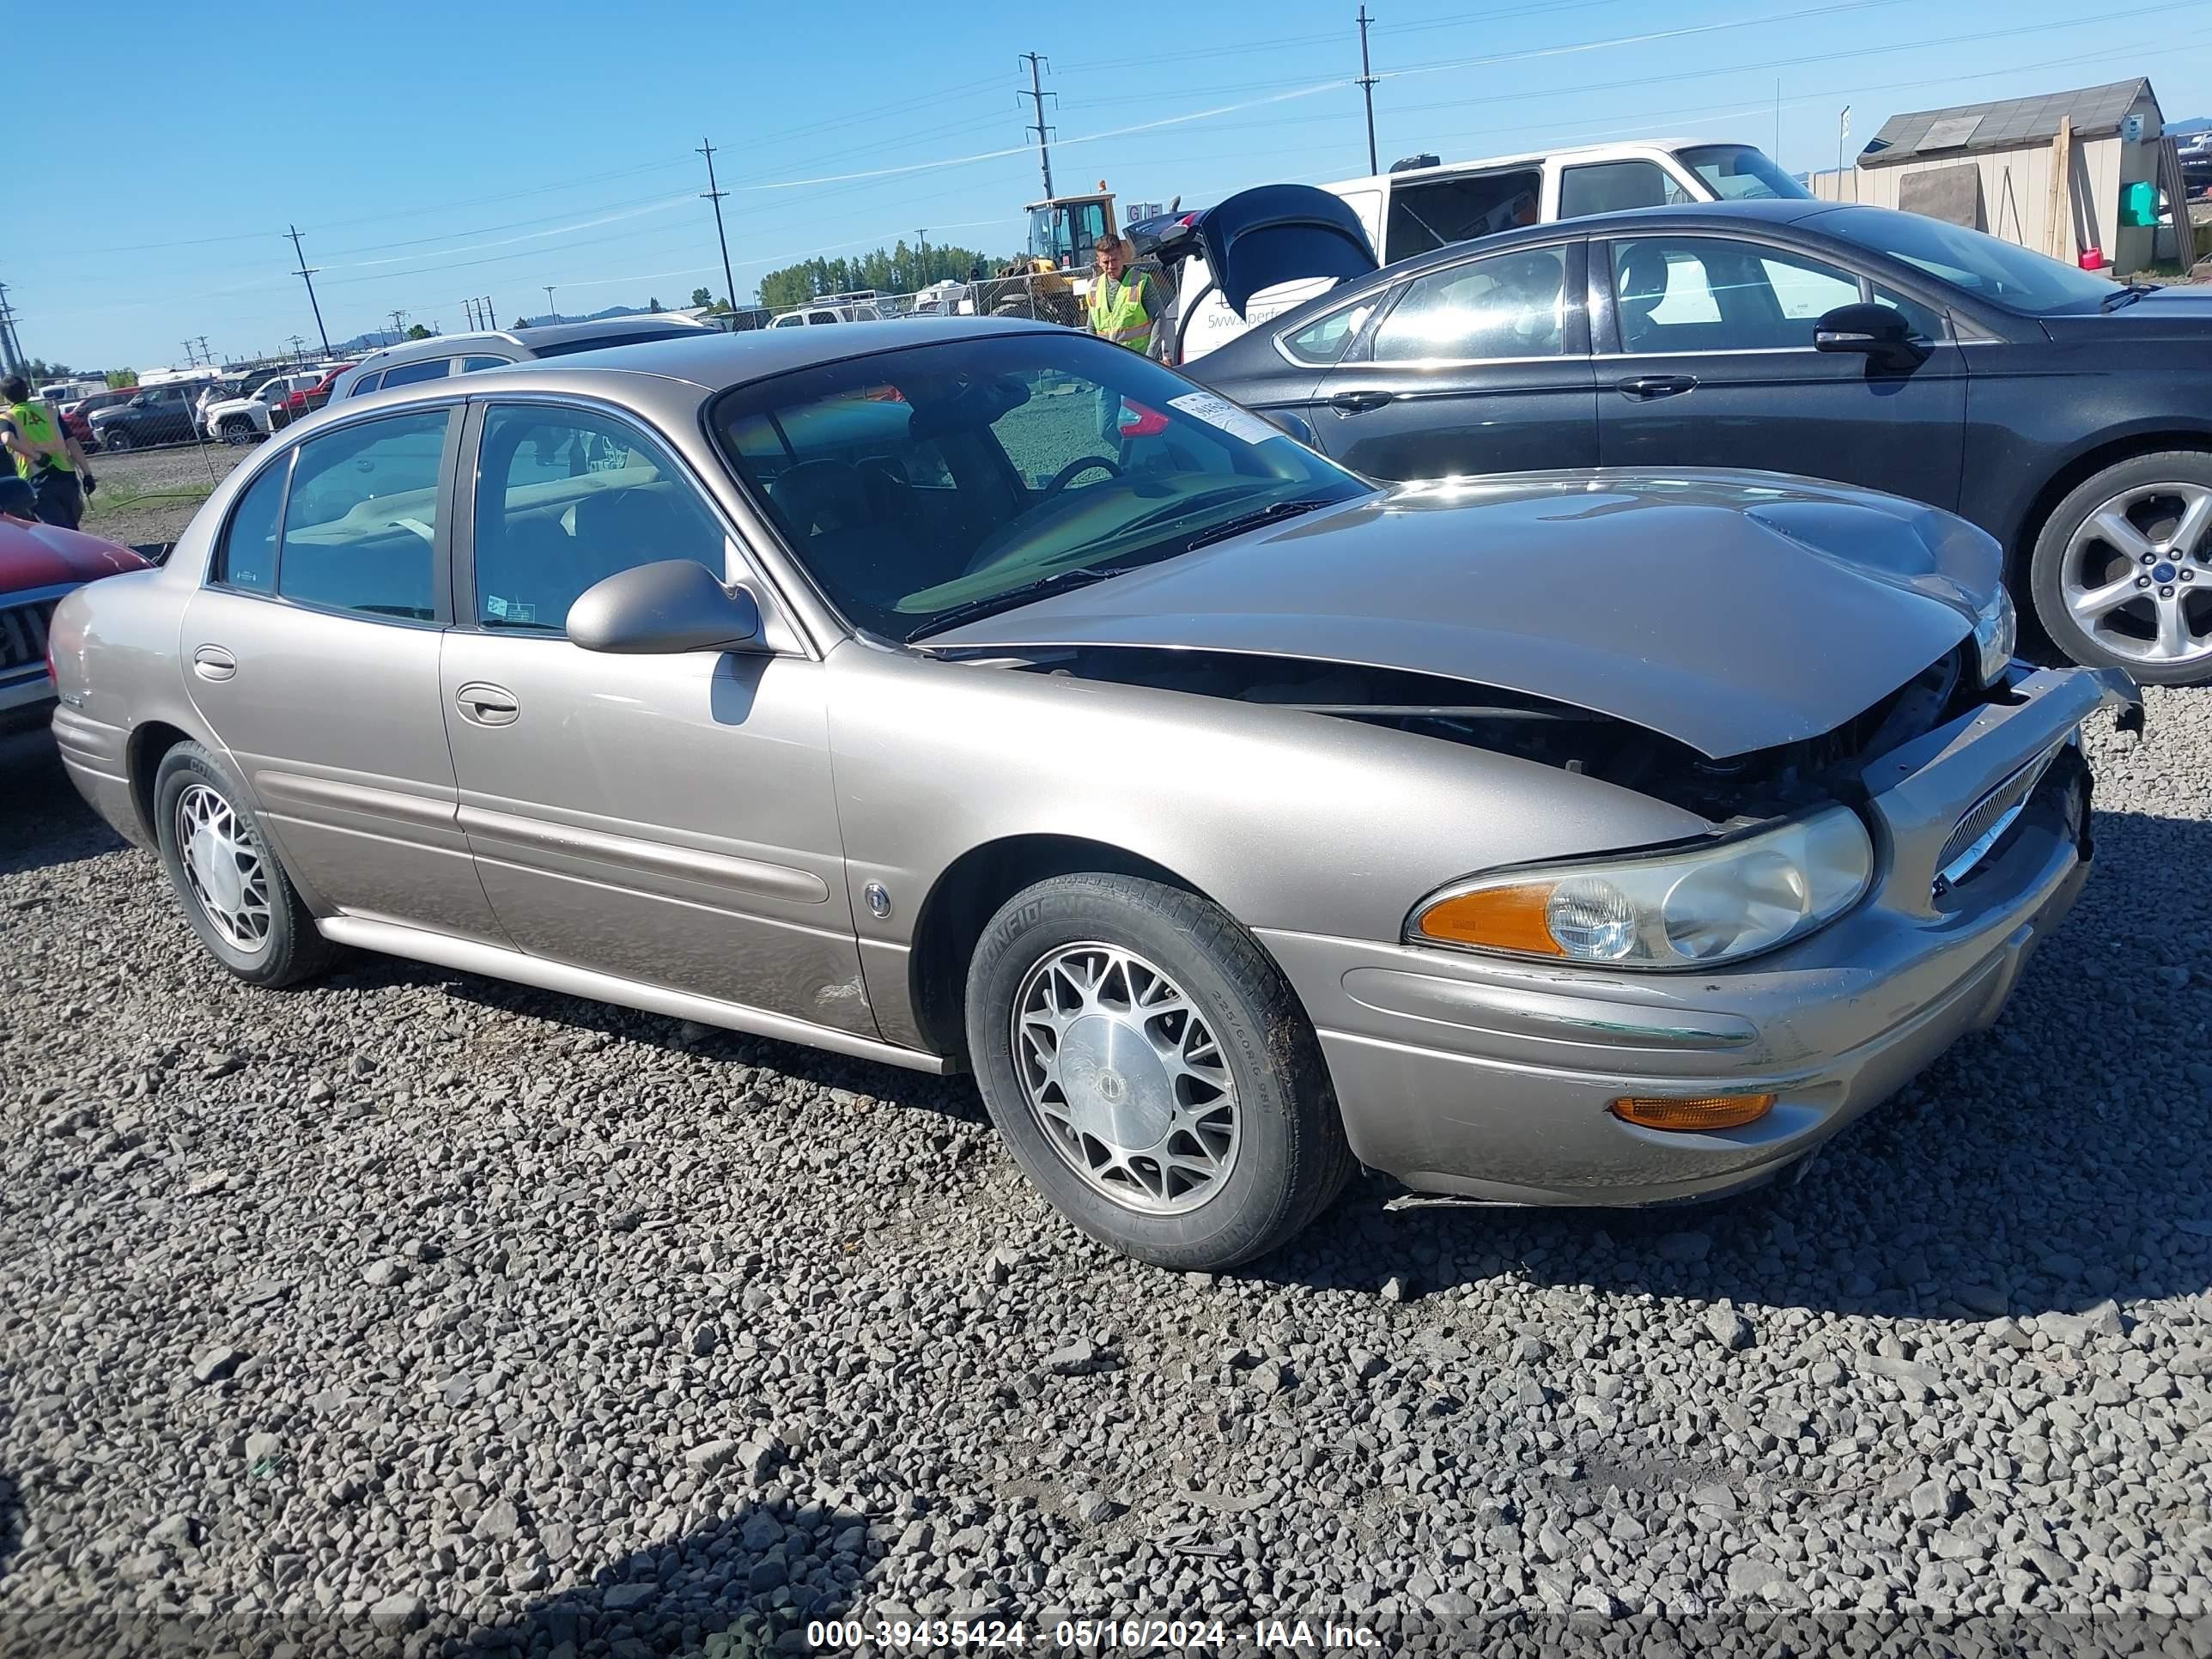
pixel 1684 1247
pixel 384 1273
pixel 499 1522
pixel 395 1614
pixel 629 1598
pixel 216 1364
pixel 1728 1328
pixel 712 1455
pixel 1091 1507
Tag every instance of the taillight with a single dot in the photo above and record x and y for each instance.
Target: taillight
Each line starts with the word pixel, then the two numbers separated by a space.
pixel 1139 421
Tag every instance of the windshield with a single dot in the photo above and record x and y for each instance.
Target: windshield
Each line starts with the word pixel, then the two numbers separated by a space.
pixel 1741 172
pixel 945 478
pixel 1966 259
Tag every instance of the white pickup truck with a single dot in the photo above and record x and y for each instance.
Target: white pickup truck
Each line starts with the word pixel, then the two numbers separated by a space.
pixel 1422 203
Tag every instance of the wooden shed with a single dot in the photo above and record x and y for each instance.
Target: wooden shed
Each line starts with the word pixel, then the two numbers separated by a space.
pixel 2051 173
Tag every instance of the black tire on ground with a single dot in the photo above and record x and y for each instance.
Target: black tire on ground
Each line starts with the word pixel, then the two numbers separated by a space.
pixel 237 430
pixel 2047 572
pixel 292 949
pixel 1291 1159
pixel 118 439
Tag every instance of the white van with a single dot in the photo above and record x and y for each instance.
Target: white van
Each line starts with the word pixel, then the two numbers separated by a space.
pixel 1422 204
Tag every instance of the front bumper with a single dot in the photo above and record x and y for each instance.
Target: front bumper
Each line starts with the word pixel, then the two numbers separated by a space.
pixel 1491 1079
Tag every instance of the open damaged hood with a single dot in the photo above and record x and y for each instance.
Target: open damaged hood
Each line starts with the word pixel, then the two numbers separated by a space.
pixel 1732 612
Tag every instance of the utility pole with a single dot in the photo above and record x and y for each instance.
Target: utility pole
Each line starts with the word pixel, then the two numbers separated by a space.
pixel 11 354
pixel 550 306
pixel 396 317
pixel 714 193
pixel 1036 95
pixel 296 342
pixel 491 317
pixel 921 266
pixel 190 359
pixel 205 352
pixel 1367 87
pixel 470 307
pixel 308 275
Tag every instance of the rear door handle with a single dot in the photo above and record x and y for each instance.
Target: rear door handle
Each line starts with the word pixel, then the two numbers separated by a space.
pixel 1644 387
pixel 484 704
pixel 212 662
pixel 1357 403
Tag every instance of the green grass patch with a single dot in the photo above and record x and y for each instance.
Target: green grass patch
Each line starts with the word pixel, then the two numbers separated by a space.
pixel 113 498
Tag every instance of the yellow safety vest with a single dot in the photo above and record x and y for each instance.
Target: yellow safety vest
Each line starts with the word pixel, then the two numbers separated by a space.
pixel 1117 311
pixel 38 430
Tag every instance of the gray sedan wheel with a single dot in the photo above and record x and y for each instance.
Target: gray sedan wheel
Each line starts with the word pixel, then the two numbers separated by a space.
pixel 234 893
pixel 2123 570
pixel 1152 1071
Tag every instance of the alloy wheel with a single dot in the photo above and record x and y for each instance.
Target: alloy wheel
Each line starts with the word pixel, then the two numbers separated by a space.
pixel 1123 1074
pixel 2137 577
pixel 224 866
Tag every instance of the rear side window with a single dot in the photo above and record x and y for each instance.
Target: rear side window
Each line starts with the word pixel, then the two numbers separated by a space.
pixel 1510 304
pixel 1324 341
pixel 1437 212
pixel 360 523
pixel 1612 187
pixel 367 383
pixel 432 368
pixel 470 365
pixel 249 547
pixel 601 341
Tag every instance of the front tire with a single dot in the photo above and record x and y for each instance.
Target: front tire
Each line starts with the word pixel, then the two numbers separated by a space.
pixel 2121 575
pixel 234 893
pixel 238 430
pixel 118 440
pixel 1151 1072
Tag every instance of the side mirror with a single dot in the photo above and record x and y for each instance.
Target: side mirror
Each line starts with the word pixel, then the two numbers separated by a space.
pixel 1876 331
pixel 660 610
pixel 1297 425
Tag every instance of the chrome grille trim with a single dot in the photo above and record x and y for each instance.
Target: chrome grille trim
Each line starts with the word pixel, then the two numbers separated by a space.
pixel 23 633
pixel 1985 822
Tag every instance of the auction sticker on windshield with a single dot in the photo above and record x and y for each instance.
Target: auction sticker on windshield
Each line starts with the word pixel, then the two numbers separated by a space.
pixel 1219 411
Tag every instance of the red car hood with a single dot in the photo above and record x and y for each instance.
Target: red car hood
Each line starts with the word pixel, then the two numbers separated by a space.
pixel 33 556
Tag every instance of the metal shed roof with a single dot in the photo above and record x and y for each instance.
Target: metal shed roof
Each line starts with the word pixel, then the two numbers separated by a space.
pixel 1964 129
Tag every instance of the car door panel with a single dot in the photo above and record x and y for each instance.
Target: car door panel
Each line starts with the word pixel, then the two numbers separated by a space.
pixel 670 819
pixel 1703 368
pixel 333 716
pixel 1495 397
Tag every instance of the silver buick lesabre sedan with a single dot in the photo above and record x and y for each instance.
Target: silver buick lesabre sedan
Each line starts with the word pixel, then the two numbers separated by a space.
pixel 1003 701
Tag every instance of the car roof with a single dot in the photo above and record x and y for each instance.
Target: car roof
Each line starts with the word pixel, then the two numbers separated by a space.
pixel 537 338
pixel 717 360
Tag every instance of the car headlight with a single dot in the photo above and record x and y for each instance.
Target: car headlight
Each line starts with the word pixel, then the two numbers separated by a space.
pixel 1996 631
pixel 1690 907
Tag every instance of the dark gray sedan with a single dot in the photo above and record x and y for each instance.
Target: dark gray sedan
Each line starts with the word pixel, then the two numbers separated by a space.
pixel 995 699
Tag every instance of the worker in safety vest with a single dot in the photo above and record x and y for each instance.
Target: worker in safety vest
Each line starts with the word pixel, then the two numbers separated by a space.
pixel 1125 306
pixel 44 454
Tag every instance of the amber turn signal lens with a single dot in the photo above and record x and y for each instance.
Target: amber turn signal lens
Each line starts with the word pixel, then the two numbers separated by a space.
pixel 1692 1111
pixel 1496 918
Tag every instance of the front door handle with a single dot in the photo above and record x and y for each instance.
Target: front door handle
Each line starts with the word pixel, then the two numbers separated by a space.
pixel 1358 402
pixel 482 703
pixel 1644 387
pixel 212 662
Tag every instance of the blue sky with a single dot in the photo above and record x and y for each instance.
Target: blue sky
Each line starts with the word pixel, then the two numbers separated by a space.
pixel 480 147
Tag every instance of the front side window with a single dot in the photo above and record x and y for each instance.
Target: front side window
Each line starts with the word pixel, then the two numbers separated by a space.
pixel 1436 212
pixel 1510 304
pixel 1612 186
pixel 568 497
pixel 430 369
pixel 1677 293
pixel 360 522
pixel 923 486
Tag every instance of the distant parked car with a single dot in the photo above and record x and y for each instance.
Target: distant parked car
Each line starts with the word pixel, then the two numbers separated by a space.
pixel 307 399
pixel 152 415
pixel 465 354
pixel 243 419
pixel 40 565
pixel 2068 414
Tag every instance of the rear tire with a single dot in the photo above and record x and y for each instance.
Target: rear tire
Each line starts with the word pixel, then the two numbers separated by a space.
pixel 118 440
pixel 234 893
pixel 237 430
pixel 2146 501
pixel 1181 1112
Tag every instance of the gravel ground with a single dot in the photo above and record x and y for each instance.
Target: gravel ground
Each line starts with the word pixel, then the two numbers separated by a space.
pixel 416 1312
pixel 148 495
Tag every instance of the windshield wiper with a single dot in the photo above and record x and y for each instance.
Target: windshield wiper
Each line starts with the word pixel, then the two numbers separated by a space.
pixel 1237 526
pixel 990 605
pixel 2127 295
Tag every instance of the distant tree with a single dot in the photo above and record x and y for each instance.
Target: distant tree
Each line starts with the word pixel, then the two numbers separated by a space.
pixel 700 296
pixel 900 270
pixel 119 377
pixel 520 322
pixel 653 304
pixel 416 331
